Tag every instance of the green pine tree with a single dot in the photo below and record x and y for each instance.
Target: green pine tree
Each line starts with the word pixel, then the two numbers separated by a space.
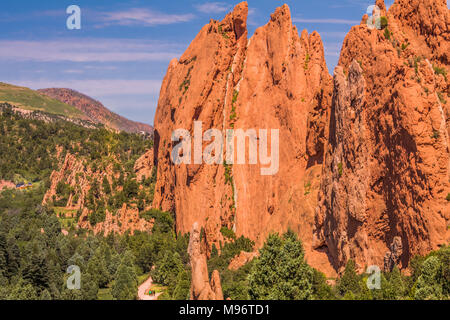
pixel 125 285
pixel 281 272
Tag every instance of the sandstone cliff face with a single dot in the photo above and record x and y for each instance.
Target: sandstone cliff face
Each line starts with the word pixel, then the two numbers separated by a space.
pixel 275 80
pixel 198 87
pixel 95 111
pixel 386 171
pixel 364 158
pixel 201 287
pixel 285 85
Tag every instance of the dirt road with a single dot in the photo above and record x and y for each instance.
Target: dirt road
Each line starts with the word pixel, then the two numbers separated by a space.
pixel 144 288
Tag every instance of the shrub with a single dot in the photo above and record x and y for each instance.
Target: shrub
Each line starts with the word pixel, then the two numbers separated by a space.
pixel 307 59
pixel 435 135
pixel 441 98
pixel 223 33
pixel 97 216
pixel 163 221
pixel 416 64
pixel 307 188
pixel 340 169
pixel 228 173
pixel 383 22
pixel 228 233
pixel 440 71
pixel 227 253
pixel 387 34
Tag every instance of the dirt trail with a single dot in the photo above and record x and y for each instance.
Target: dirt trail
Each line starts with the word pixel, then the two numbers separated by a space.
pixel 143 290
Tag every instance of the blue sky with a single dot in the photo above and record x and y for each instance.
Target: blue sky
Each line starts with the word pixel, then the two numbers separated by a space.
pixel 122 51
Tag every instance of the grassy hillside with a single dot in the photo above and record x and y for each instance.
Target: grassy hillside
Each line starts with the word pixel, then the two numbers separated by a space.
pixel 95 110
pixel 32 100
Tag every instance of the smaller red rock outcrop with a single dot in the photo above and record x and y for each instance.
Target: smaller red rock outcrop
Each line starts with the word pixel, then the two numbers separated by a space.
pixel 144 165
pixel 6 185
pixel 77 174
pixel 392 257
pixel 242 259
pixel 126 219
pixel 201 287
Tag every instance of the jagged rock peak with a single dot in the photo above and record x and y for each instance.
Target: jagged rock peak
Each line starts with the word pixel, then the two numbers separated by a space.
pixel 382 6
pixel 282 13
pixel 236 20
pixel 240 14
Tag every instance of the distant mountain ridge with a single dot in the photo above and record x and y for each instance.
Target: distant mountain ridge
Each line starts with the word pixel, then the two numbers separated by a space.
pixel 95 110
pixel 27 99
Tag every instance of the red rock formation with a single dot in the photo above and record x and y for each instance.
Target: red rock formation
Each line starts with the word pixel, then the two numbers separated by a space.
pixel 381 142
pixel 143 166
pixel 201 287
pixel 242 259
pixel 77 174
pixel 126 219
pixel 285 85
pixel 387 167
pixel 68 174
pixel 392 257
pixel 95 111
pixel 275 80
pixel 199 87
pixel 6 185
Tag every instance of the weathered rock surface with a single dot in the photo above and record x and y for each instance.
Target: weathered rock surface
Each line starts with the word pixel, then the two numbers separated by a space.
pixel 285 85
pixel 275 80
pixel 143 166
pixel 242 259
pixel 201 287
pixel 125 219
pixel 78 175
pixel 198 87
pixel 6 185
pixel 392 257
pixel 364 158
pixel 387 166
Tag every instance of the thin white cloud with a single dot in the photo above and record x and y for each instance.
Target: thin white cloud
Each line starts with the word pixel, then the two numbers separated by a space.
pixel 327 21
pixel 97 67
pixel 89 50
pixel 332 49
pixel 142 17
pixel 213 7
pixel 252 17
pixel 96 88
pixel 73 71
pixel 352 3
pixel 333 34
